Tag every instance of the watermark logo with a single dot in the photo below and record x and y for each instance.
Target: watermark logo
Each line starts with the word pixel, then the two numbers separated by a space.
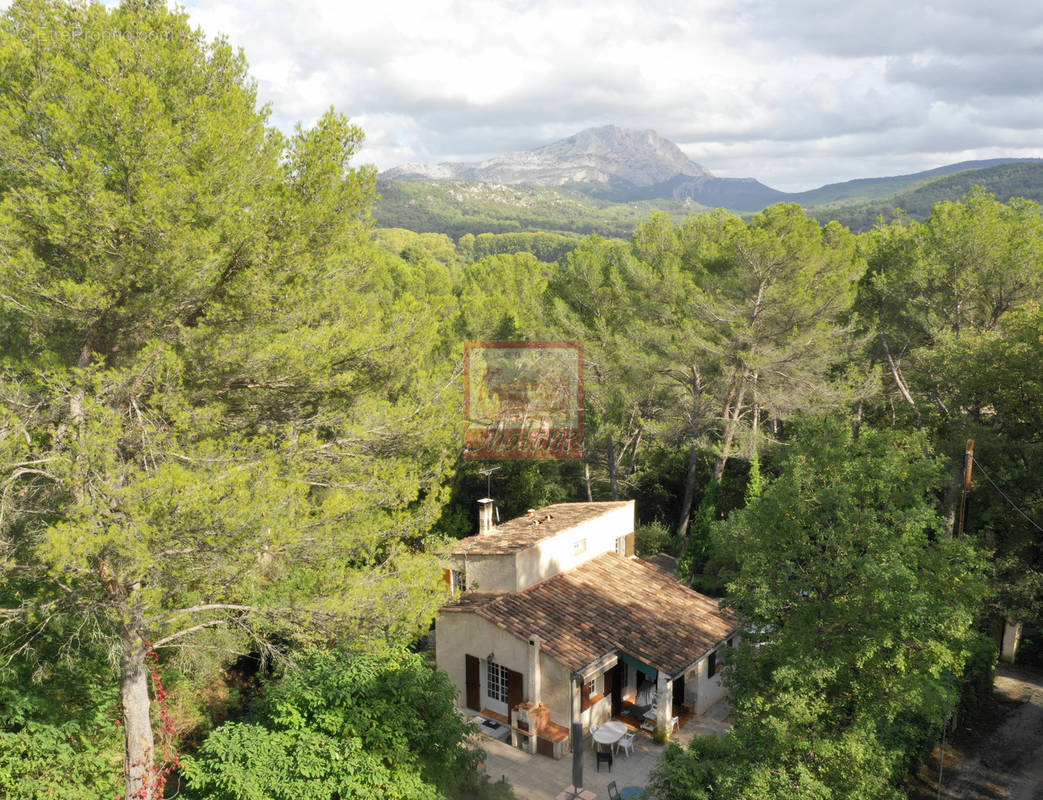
pixel 523 399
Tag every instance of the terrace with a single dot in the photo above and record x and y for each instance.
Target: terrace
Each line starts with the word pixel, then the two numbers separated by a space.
pixel 539 778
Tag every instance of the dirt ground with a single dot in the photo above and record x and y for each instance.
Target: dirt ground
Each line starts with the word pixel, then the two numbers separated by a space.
pixel 997 754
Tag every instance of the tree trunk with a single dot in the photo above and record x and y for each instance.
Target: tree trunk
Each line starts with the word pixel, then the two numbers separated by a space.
pixel 951 502
pixel 896 373
pixel 633 452
pixel 731 422
pixel 138 770
pixel 689 492
pixel 586 475
pixel 693 460
pixel 612 468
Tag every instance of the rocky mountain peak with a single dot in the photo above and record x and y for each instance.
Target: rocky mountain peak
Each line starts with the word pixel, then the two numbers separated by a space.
pixel 607 155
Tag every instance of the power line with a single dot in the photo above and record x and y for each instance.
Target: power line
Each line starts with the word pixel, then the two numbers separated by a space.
pixel 1013 505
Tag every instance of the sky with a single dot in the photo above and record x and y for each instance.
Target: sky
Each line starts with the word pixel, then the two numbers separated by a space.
pixel 795 93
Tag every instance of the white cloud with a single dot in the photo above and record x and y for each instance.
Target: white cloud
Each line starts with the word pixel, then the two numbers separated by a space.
pixel 794 93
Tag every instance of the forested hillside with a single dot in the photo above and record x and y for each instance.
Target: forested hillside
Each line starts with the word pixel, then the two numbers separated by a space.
pixel 231 430
pixel 457 207
pixel 1006 181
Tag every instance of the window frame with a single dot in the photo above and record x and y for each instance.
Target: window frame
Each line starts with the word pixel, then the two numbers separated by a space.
pixel 458 578
pixel 496 682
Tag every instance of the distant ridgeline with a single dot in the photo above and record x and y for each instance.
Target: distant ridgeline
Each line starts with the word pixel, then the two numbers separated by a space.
pixel 457 208
pixel 607 180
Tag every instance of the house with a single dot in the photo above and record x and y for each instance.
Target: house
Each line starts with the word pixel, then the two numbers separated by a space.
pixel 555 622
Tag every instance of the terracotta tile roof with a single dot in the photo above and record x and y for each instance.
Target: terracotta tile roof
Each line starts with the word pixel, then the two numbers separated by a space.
pixel 612 603
pixel 520 533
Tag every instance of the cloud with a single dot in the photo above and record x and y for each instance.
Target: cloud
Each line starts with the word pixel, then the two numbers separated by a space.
pixel 897 27
pixel 794 93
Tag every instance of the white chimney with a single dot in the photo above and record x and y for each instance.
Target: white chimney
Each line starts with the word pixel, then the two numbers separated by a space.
pixel 485 516
pixel 535 678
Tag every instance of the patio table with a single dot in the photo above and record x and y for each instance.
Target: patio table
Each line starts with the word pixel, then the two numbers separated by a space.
pixel 610 733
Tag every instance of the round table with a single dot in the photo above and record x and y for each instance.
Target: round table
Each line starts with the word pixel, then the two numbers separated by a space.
pixel 610 733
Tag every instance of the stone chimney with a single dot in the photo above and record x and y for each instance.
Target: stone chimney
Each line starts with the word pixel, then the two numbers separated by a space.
pixel 485 516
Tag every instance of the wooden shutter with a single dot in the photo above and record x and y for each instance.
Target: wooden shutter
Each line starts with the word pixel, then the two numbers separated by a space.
pixel 607 690
pixel 514 689
pixel 447 576
pixel 630 546
pixel 473 683
pixel 584 696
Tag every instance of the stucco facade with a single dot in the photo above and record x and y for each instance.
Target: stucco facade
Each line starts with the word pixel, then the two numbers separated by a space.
pixel 514 570
pixel 463 634
pixel 560 624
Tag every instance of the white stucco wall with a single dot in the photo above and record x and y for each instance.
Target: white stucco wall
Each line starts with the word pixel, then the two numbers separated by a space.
pixel 555 691
pixel 704 690
pixel 489 573
pixel 458 634
pixel 558 553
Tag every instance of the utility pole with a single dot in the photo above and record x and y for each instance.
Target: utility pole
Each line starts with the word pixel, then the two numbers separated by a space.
pixel 968 468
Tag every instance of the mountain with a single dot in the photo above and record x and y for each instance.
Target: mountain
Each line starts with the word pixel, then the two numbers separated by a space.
pixel 608 155
pixel 878 188
pixel 457 207
pixel 1008 179
pixel 609 163
pixel 602 179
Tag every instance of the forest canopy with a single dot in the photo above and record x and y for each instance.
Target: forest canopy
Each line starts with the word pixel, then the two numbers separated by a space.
pixel 231 431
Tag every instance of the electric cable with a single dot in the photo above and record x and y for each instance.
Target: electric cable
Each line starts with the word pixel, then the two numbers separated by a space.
pixel 1013 505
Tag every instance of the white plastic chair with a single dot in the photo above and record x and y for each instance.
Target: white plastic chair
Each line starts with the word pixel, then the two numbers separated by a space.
pixel 627 743
pixel 675 725
pixel 594 742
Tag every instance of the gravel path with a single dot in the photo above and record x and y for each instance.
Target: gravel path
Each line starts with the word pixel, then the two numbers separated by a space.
pixel 1008 763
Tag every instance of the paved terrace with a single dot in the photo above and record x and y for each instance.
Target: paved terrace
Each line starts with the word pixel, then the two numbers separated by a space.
pixel 536 777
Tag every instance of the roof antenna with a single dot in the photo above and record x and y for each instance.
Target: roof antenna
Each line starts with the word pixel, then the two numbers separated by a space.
pixel 488 473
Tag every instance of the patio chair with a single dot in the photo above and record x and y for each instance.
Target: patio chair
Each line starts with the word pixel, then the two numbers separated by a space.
pixel 603 758
pixel 627 743
pixel 594 742
pixel 675 725
pixel 613 792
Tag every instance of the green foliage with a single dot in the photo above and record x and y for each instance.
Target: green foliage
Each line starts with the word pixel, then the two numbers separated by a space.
pixel 963 289
pixel 61 760
pixel 594 294
pixel 500 298
pixel 696 545
pixel 436 245
pixel 1002 403
pixel 214 410
pixel 366 725
pixel 547 247
pixel 59 736
pixel 692 774
pixel 516 485
pixel 651 538
pixel 1006 181
pixel 858 607
pixel 459 208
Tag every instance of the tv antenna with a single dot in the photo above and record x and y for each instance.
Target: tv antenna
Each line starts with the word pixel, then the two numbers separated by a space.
pixel 488 473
